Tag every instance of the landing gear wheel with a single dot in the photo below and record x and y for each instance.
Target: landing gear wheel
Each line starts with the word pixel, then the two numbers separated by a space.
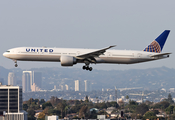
pixel 84 67
pixel 90 69
pixel 87 68
pixel 16 65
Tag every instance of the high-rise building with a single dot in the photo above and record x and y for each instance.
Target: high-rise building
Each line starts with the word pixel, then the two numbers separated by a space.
pixel 26 81
pixel 55 87
pixel 2 81
pixel 87 85
pixel 35 88
pixel 11 98
pixel 61 87
pixel 77 85
pixel 115 94
pixel 66 87
pixel 37 79
pixel 11 103
pixel 11 78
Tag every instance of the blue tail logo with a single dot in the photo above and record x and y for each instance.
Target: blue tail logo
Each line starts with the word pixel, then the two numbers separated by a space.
pixel 158 43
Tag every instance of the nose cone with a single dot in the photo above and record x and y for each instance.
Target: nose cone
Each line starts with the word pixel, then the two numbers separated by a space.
pixel 5 54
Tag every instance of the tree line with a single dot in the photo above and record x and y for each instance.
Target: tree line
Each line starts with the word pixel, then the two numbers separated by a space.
pixel 83 108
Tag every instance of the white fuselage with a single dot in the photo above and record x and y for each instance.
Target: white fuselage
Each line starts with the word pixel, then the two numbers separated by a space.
pixel 54 54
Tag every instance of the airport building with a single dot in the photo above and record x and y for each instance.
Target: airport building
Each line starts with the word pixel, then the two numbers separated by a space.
pixel 11 78
pixel 11 103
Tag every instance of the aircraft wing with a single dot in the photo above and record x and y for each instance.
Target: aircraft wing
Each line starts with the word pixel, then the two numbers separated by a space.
pixel 161 54
pixel 97 53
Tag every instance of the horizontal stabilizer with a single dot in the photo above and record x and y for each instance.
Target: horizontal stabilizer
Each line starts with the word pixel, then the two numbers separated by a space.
pixel 161 54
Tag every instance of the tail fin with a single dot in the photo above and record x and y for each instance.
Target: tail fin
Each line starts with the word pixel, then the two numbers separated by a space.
pixel 158 43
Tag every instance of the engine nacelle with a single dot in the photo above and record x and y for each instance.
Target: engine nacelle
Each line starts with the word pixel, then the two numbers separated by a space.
pixel 68 60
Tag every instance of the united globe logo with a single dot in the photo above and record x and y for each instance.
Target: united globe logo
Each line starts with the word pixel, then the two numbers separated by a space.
pixel 153 47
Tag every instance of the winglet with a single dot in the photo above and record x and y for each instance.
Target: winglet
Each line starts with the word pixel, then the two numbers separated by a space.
pixel 158 43
pixel 111 46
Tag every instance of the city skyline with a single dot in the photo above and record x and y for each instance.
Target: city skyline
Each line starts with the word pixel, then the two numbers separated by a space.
pixel 133 78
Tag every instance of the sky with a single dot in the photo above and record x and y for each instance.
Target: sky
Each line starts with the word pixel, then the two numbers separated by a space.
pixel 129 24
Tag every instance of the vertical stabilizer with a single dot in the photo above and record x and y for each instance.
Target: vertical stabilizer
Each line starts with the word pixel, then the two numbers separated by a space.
pixel 158 43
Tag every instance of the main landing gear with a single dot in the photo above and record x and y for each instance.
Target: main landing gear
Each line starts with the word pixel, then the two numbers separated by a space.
pixel 16 65
pixel 86 67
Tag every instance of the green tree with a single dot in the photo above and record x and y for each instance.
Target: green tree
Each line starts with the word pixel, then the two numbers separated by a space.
pixel 127 97
pixel 61 106
pixel 170 99
pixel 42 101
pixel 47 104
pixel 150 115
pixel 147 102
pixel 77 102
pixel 156 111
pixel 25 107
pixel 29 102
pixel 114 104
pixel 142 109
pixel 165 104
pixel 86 99
pixel 83 111
pixel 54 101
pixel 132 106
pixel 172 117
pixel 75 109
pixel 31 114
pixel 66 109
pixel 169 109
pixel 54 112
pixel 132 102
pixel 102 105
pixel 161 105
pixel 41 116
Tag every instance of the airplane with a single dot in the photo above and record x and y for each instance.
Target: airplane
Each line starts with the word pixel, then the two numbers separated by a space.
pixel 72 56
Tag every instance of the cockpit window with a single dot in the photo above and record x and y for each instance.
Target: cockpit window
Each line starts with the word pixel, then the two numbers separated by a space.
pixel 7 51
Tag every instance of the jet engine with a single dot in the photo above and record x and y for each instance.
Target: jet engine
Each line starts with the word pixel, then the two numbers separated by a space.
pixel 68 60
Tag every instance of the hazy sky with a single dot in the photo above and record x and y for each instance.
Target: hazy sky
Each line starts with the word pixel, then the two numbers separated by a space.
pixel 129 24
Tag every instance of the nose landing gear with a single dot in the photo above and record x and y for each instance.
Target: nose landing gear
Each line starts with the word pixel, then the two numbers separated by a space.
pixel 16 65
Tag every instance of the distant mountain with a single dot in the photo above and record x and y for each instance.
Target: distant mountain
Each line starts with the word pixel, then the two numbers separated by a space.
pixel 153 78
pixel 4 72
